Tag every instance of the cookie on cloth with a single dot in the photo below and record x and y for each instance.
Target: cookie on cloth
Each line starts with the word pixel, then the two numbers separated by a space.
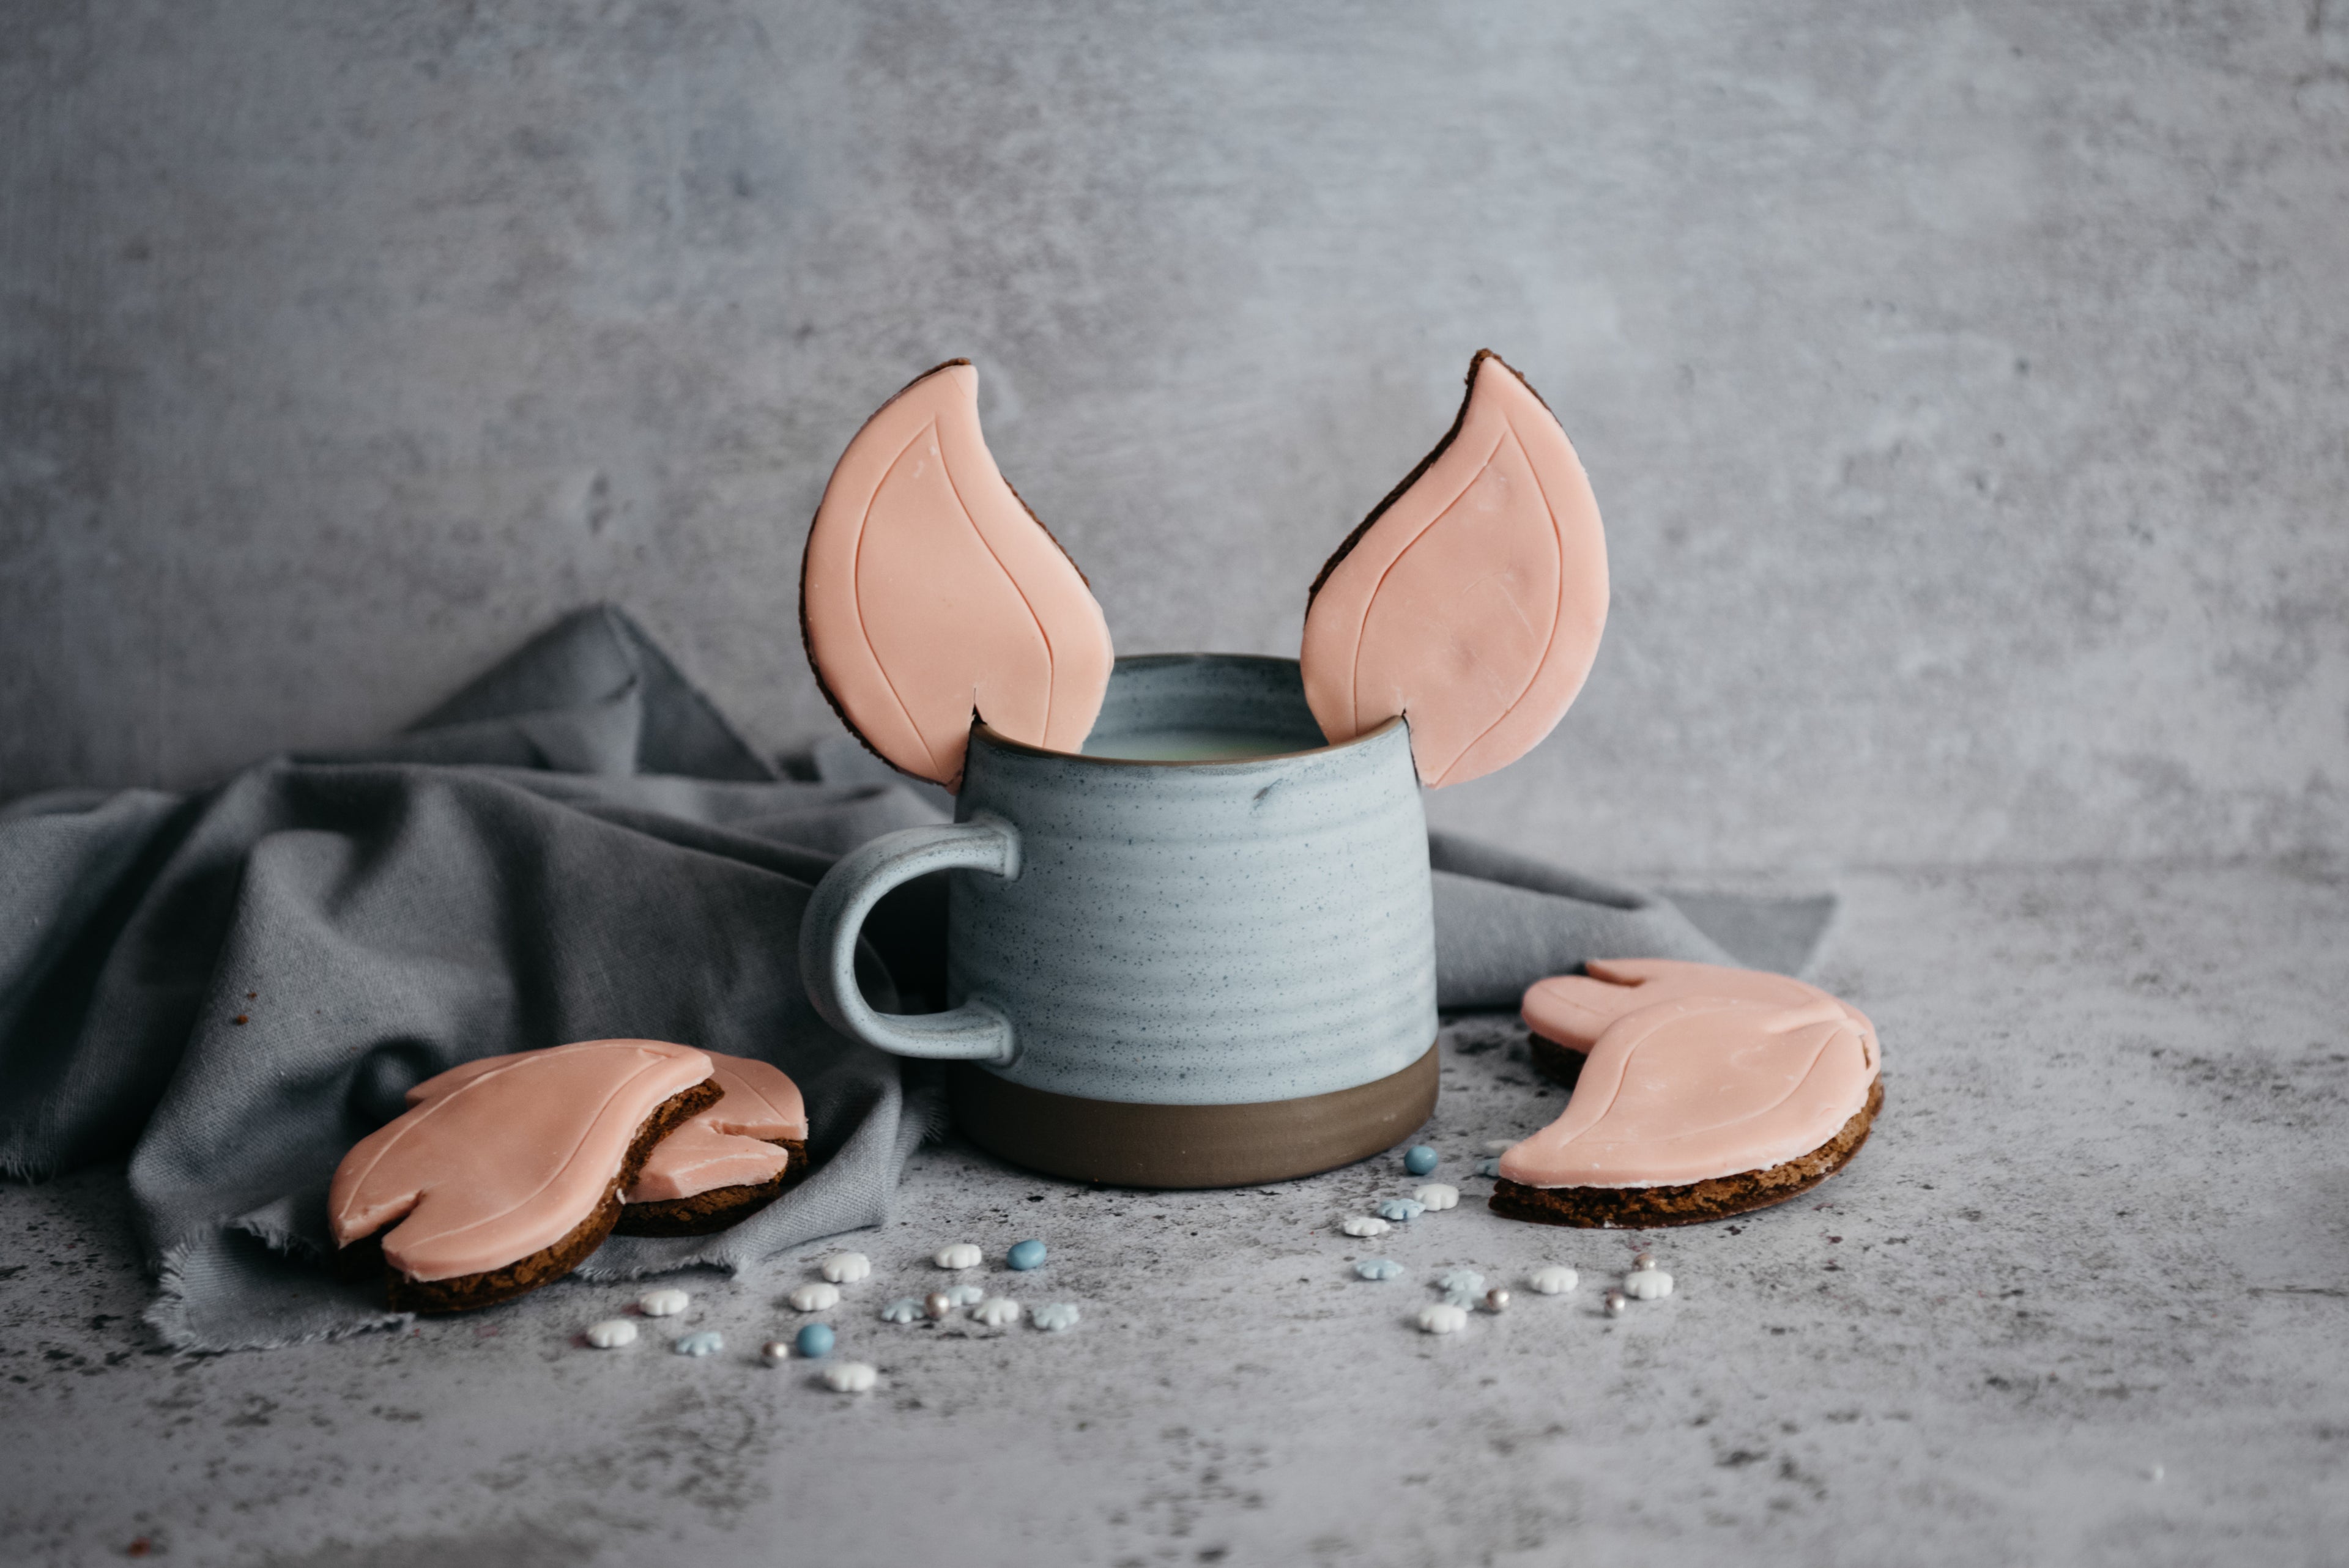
pixel 505 1173
pixel 1567 1013
pixel 727 1162
pixel 1695 1107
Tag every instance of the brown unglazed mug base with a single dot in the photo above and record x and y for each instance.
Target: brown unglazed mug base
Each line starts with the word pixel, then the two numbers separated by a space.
pixel 1128 1145
pixel 706 1214
pixel 549 1263
pixel 1645 1208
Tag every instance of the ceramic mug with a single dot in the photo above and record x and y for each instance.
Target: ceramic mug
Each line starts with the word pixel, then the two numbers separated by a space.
pixel 1201 953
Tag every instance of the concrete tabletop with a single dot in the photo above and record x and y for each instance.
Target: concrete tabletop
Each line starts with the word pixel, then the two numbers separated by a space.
pixel 2084 1298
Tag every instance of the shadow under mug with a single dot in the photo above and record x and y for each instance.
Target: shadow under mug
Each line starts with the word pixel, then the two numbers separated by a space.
pixel 1202 953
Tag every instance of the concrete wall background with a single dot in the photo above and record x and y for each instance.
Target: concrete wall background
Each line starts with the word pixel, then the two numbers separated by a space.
pixel 1967 389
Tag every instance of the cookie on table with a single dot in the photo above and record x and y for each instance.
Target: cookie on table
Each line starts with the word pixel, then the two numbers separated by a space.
pixel 1567 1013
pixel 1697 1107
pixel 505 1173
pixel 724 1163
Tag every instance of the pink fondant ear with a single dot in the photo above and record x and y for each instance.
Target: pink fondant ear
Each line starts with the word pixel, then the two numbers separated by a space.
pixel 1575 1010
pixel 930 594
pixel 1471 600
pixel 1700 1088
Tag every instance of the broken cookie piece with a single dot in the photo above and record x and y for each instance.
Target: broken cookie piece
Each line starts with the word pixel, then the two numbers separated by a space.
pixel 727 1162
pixel 505 1173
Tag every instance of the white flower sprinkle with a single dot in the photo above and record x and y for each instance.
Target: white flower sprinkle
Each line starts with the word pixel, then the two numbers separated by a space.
pixel 847 1268
pixel 1441 1317
pixel 851 1376
pixel 663 1303
pixel 1438 1195
pixel 1554 1279
pixel 1647 1285
pixel 961 1255
pixel 1364 1225
pixel 612 1333
pixel 814 1297
pixel 996 1311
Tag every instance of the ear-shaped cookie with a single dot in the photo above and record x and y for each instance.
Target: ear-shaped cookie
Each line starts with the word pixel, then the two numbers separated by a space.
pixel 929 593
pixel 1574 1010
pixel 504 1173
pixel 1703 1089
pixel 1472 598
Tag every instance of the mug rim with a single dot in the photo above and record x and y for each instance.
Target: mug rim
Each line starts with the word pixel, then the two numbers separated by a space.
pixel 980 727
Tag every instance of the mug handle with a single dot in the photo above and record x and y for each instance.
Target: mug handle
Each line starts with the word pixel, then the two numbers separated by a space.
pixel 975 1032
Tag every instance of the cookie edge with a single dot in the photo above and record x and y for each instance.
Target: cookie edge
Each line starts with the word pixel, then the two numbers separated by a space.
pixel 718 1209
pixel 807 644
pixel 1694 1202
pixel 464 1293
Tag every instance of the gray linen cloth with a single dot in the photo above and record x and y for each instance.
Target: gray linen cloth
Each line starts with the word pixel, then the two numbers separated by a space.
pixel 230 987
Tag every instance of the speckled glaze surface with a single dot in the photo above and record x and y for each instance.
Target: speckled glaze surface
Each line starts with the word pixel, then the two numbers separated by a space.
pixel 1204 933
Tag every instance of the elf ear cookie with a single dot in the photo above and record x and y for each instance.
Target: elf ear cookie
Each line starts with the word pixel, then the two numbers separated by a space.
pixel 1567 1013
pixel 930 594
pixel 725 1163
pixel 1471 600
pixel 503 1174
pixel 1695 1110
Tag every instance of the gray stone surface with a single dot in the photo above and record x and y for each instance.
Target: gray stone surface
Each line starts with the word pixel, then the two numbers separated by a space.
pixel 1961 386
pixel 2082 1300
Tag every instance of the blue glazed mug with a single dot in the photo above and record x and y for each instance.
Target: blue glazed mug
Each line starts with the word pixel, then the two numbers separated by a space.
pixel 1201 953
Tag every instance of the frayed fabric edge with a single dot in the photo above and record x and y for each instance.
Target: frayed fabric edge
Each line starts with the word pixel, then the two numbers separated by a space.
pixel 167 1314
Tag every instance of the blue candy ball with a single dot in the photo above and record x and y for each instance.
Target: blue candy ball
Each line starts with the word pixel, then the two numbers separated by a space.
pixel 1420 1161
pixel 815 1341
pixel 1027 1256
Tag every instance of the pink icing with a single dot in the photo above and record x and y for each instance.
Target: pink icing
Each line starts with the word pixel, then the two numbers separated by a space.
pixel 1472 599
pixel 725 1146
pixel 929 592
pixel 1575 1009
pixel 1700 1087
pixel 503 1158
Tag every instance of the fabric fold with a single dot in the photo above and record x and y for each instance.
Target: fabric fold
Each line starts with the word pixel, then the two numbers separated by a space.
pixel 231 986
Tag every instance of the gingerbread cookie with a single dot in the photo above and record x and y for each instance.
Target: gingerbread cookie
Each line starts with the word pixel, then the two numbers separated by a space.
pixel 930 596
pixel 1472 598
pixel 503 1174
pixel 1567 1013
pixel 727 1162
pixel 1696 1107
